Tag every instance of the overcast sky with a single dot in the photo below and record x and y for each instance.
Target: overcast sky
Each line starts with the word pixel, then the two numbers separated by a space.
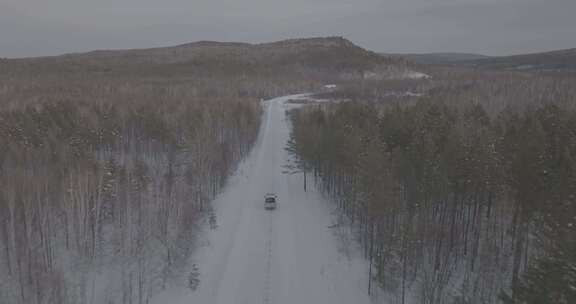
pixel 492 27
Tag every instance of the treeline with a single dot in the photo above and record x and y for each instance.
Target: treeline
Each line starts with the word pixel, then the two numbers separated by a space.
pixel 464 195
pixel 103 183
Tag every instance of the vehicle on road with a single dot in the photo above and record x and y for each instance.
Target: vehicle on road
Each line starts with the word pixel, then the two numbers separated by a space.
pixel 270 201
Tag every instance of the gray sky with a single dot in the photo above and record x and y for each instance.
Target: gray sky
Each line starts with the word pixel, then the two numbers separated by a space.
pixel 492 27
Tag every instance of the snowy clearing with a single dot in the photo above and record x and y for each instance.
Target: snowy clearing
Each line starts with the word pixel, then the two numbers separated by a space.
pixel 416 75
pixel 288 255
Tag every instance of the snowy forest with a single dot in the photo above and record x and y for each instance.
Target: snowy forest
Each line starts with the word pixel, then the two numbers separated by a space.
pixel 457 184
pixel 102 185
pixel 109 160
pixel 462 191
pixel 108 166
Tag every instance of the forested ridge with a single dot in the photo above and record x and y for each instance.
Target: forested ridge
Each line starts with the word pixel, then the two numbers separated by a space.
pixel 464 193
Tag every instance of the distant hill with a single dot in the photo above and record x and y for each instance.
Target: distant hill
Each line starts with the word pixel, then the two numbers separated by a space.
pixel 562 60
pixel 327 56
pixel 439 58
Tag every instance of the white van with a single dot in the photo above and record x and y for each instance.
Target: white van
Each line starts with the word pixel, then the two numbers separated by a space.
pixel 270 201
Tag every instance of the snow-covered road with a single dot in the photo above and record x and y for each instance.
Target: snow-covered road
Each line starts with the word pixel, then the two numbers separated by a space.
pixel 285 256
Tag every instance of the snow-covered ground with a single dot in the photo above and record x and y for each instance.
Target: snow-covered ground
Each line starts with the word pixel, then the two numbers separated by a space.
pixel 416 75
pixel 285 256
